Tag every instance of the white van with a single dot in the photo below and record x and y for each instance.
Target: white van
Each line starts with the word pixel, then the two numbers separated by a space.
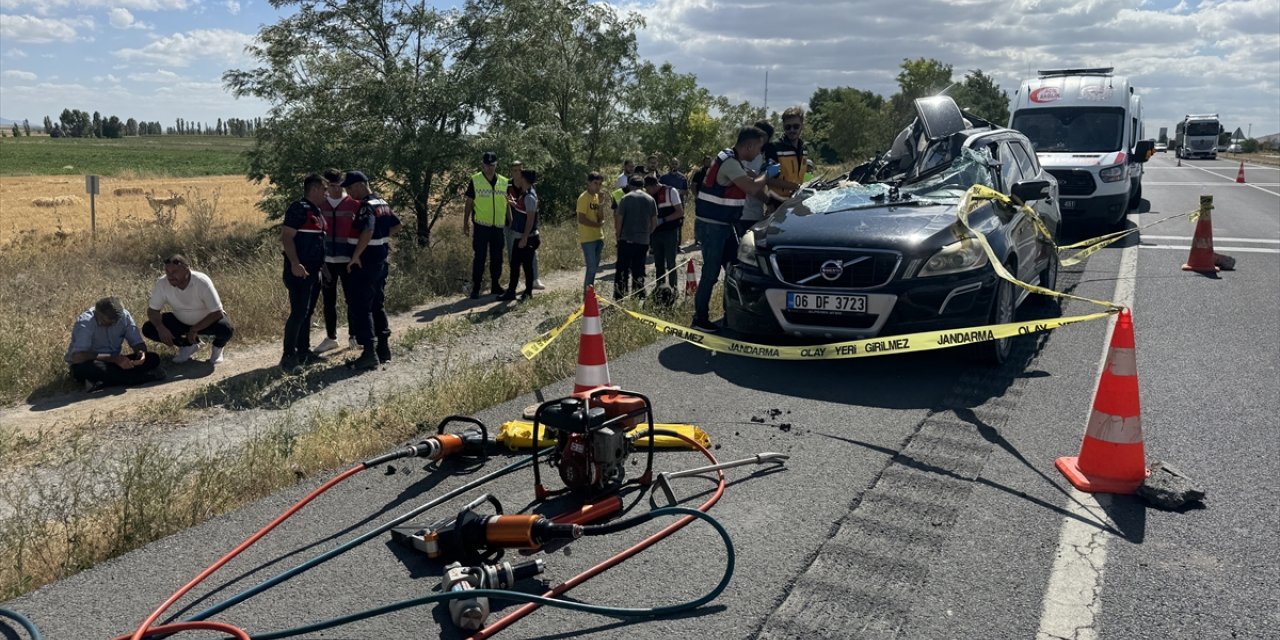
pixel 1086 127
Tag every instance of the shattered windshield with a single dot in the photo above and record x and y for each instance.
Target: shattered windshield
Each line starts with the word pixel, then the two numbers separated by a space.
pixel 847 197
pixel 972 167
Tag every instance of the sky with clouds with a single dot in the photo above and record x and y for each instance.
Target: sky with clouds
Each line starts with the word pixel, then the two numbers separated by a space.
pixel 163 59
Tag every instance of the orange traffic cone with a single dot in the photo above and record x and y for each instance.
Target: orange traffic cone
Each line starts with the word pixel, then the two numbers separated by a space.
pixel 1202 258
pixel 691 280
pixel 1240 175
pixel 1112 458
pixel 593 366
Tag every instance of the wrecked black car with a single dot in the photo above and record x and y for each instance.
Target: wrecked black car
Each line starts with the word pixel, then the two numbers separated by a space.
pixel 881 251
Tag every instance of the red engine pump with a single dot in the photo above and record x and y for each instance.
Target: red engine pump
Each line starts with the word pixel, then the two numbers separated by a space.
pixel 592 438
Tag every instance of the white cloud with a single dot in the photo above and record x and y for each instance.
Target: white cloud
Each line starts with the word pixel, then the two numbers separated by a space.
pixel 181 49
pixel 107 78
pixel 232 6
pixel 51 7
pixel 121 18
pixel 15 53
pixel 41 30
pixel 1222 54
pixel 14 74
pixel 162 76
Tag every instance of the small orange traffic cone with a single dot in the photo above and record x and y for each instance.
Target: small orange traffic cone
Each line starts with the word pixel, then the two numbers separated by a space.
pixel 1112 457
pixel 1202 258
pixel 1240 175
pixel 593 365
pixel 691 280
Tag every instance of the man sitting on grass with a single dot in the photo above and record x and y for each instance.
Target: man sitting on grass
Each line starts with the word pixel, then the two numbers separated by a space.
pixel 95 355
pixel 196 310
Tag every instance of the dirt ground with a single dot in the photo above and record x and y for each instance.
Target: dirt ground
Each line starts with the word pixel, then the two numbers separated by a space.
pixel 18 212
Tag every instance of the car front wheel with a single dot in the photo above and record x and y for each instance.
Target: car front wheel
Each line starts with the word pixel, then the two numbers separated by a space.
pixel 1003 310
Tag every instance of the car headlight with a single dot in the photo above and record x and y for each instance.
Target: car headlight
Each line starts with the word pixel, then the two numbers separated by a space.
pixel 964 255
pixel 747 248
pixel 1113 174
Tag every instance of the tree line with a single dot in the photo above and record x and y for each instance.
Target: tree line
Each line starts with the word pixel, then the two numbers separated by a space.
pixel 74 123
pixel 411 94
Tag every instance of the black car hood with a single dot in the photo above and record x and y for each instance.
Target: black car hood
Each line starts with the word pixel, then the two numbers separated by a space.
pixel 844 217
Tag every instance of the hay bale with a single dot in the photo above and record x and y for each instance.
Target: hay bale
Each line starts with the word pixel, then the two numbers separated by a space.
pixel 128 191
pixel 57 201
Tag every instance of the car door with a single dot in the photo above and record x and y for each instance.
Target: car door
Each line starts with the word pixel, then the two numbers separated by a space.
pixel 1046 208
pixel 1021 229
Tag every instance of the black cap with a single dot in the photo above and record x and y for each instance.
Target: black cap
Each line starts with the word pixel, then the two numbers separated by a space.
pixel 489 157
pixel 353 177
pixel 635 181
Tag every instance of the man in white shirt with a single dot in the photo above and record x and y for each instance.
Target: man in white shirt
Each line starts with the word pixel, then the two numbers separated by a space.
pixel 195 310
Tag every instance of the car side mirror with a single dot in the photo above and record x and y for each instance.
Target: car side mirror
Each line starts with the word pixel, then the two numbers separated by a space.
pixel 1144 150
pixel 1029 190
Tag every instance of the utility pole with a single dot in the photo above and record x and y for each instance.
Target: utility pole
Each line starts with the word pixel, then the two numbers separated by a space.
pixel 766 93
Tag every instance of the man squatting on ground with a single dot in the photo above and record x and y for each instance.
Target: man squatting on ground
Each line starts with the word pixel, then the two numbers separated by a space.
pixel 340 240
pixel 95 356
pixel 367 272
pixel 302 237
pixel 195 310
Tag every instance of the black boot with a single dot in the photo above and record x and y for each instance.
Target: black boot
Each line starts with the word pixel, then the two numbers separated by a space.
pixel 384 351
pixel 368 360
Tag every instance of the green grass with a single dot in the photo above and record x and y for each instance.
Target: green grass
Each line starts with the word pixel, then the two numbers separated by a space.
pixel 150 156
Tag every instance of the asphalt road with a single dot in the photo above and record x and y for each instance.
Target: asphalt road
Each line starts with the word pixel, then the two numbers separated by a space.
pixel 920 500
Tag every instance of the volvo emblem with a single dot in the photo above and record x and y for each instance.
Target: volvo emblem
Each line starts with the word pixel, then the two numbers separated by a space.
pixel 832 270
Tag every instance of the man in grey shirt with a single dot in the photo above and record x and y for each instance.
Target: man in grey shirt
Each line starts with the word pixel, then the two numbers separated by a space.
pixel 635 221
pixel 95 355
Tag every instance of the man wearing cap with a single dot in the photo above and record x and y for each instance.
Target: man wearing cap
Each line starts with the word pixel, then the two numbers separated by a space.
pixel 367 272
pixel 665 240
pixel 195 310
pixel 510 232
pixel 486 206
pixel 95 356
pixel 302 238
pixel 339 209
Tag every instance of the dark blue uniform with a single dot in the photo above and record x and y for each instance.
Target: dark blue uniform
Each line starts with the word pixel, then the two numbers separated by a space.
pixel 366 286
pixel 308 221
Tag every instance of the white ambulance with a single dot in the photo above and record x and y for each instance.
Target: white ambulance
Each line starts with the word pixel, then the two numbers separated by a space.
pixel 1086 127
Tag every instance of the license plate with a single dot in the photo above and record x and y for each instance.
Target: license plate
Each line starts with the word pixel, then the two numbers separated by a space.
pixel 1067 204
pixel 797 301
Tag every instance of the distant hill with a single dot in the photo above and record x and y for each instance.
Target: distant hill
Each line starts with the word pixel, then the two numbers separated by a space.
pixel 1271 139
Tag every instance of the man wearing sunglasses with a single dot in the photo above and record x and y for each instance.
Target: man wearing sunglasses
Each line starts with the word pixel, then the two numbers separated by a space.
pixel 194 310
pixel 789 153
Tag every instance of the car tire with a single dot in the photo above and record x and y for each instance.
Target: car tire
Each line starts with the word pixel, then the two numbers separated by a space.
pixel 1004 308
pixel 1135 195
pixel 1049 278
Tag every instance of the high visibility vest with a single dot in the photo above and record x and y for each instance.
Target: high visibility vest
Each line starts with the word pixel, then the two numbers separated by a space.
pixel 617 197
pixel 791 160
pixel 491 200
pixel 718 203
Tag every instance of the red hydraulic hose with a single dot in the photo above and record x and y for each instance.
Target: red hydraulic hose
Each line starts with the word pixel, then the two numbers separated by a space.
pixel 526 609
pixel 234 631
pixel 145 629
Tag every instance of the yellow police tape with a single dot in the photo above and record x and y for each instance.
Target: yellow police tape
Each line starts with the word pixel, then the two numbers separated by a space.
pixel 518 434
pixel 534 347
pixel 924 341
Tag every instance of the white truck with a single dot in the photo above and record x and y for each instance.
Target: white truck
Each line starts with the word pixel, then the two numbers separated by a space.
pixel 1086 127
pixel 1198 136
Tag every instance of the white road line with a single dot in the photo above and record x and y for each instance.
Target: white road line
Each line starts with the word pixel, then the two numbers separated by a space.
pixel 1215 238
pixel 1208 184
pixel 1217 248
pixel 1072 601
pixel 1233 180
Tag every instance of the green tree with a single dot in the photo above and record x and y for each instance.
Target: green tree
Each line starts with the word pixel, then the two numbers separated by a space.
pixel 97 125
pixel 131 127
pixel 112 127
pixel 26 127
pixel 17 131
pixel 919 78
pixel 390 88
pixel 981 96
pixel 673 114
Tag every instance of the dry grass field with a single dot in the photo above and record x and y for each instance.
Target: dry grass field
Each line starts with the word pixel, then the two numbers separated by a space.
pixel 19 213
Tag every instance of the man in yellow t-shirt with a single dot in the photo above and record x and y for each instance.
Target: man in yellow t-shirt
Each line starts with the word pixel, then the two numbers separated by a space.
pixel 590 224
